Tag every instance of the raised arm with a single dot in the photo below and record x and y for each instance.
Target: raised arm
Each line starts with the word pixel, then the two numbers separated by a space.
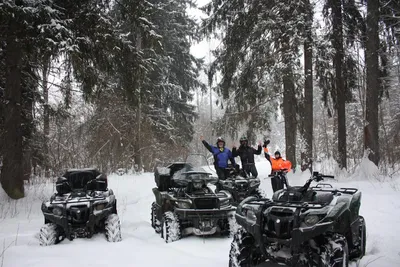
pixel 267 155
pixel 235 152
pixel 209 148
pixel 258 150
pixel 231 158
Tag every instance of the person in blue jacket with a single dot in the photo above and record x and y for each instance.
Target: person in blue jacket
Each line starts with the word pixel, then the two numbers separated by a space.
pixel 221 156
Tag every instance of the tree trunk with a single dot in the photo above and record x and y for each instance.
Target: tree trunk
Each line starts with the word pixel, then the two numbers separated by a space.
pixel 289 102
pixel 307 154
pixel 138 153
pixel 289 111
pixel 371 130
pixel 46 115
pixel 12 171
pixel 339 82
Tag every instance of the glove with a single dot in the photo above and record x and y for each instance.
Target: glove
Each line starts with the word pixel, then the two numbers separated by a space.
pixel 266 142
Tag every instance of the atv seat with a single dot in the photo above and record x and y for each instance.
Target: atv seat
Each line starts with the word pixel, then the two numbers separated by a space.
pixel 81 179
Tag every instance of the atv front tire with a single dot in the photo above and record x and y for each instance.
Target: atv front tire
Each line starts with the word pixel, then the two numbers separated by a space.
pixel 361 248
pixel 337 253
pixel 113 228
pixel 49 235
pixel 155 223
pixel 170 228
pixel 243 252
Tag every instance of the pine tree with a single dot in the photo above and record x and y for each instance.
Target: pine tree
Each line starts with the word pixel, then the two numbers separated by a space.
pixel 371 131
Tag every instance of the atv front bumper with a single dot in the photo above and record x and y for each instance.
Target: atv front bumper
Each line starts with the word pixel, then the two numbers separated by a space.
pixel 299 236
pixel 71 230
pixel 205 221
pixel 211 213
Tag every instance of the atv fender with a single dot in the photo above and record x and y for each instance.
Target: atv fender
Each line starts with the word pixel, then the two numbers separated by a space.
pixel 355 205
pixel 340 215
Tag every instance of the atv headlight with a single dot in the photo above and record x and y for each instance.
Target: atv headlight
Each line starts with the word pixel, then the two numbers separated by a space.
pixel 100 206
pixel 310 220
pixel 57 211
pixel 184 204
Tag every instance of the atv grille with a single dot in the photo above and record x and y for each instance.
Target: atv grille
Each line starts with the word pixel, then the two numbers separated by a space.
pixel 206 203
pixel 281 229
pixel 282 213
pixel 279 223
pixel 242 186
pixel 78 214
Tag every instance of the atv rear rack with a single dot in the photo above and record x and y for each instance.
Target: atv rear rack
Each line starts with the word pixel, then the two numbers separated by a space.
pixel 344 190
pixel 268 203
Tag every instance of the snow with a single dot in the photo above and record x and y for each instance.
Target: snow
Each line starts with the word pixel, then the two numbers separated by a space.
pixel 21 220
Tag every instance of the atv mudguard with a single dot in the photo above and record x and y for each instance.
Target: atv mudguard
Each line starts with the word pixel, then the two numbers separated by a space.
pixel 163 201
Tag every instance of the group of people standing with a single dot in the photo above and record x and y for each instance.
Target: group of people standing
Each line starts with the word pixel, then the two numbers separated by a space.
pixel 223 155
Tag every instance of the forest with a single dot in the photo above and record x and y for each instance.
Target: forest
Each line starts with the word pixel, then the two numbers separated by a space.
pixel 114 84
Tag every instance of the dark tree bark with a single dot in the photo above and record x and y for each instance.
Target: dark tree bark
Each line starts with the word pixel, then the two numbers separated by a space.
pixel 289 111
pixel 289 102
pixel 46 115
pixel 307 154
pixel 339 82
pixel 371 130
pixel 12 171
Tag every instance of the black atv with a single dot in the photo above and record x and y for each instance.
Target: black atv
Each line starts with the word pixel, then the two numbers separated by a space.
pixel 81 207
pixel 239 185
pixel 186 205
pixel 301 226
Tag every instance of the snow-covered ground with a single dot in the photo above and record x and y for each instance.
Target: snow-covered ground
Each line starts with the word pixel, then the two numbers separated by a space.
pixel 21 220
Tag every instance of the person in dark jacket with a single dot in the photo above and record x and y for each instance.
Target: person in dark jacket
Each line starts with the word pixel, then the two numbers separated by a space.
pixel 221 156
pixel 246 154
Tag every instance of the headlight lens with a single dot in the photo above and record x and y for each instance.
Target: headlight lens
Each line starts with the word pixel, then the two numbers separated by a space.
pixel 310 220
pixel 184 204
pixel 57 211
pixel 100 206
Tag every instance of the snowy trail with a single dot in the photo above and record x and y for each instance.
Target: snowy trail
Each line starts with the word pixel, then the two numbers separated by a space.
pixel 141 246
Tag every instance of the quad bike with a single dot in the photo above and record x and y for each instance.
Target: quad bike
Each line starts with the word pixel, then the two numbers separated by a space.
pixel 239 185
pixel 82 206
pixel 186 205
pixel 300 226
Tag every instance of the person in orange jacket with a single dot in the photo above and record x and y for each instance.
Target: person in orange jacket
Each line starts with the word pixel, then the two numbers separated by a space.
pixel 277 162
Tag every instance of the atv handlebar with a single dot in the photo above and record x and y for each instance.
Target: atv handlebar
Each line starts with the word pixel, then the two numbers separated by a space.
pixel 319 177
pixel 316 176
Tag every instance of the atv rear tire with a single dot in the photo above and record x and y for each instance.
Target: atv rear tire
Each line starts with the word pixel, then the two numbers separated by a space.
pixel 170 228
pixel 338 252
pixel 49 235
pixel 155 223
pixel 243 252
pixel 113 228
